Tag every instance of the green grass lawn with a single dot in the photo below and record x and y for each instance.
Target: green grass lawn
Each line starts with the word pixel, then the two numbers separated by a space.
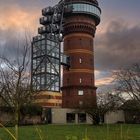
pixel 65 132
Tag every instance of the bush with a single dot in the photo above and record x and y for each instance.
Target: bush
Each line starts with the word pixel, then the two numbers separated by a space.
pixel 31 110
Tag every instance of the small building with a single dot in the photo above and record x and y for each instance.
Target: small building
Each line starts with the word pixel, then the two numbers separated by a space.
pixel 69 116
pixel 113 117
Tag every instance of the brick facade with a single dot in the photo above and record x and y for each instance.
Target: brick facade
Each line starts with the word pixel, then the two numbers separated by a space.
pixel 78 80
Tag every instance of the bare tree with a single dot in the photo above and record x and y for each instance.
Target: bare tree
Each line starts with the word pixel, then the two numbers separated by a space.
pixel 15 80
pixel 128 82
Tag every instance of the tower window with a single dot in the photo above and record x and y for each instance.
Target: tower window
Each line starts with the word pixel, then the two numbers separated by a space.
pixel 80 102
pixel 80 80
pixel 70 117
pixel 80 92
pixel 80 60
pixel 82 117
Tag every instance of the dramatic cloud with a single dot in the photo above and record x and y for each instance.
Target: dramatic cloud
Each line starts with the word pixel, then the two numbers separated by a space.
pixel 17 19
pixel 103 78
pixel 119 46
pixel 12 44
pixel 103 81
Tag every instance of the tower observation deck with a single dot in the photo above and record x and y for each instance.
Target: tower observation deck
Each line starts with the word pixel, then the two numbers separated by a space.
pixel 72 22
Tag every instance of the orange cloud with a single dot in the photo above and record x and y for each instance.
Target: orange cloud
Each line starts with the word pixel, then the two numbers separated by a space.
pixel 103 81
pixel 16 18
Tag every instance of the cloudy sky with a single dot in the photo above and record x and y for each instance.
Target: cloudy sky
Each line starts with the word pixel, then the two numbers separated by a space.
pixel 117 41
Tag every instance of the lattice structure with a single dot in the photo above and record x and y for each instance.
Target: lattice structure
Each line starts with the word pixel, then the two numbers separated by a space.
pixel 46 51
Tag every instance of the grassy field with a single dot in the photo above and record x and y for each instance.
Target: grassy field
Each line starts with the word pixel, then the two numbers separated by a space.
pixel 76 132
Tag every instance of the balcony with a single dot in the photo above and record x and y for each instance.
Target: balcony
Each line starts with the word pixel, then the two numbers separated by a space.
pixel 43 30
pixel 49 29
pixel 47 11
pixel 45 20
pixel 39 37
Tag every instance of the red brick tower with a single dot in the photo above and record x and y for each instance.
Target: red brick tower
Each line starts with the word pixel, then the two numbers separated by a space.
pixel 79 31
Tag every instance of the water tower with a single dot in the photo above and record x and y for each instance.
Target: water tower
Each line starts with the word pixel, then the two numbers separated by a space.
pixel 79 31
